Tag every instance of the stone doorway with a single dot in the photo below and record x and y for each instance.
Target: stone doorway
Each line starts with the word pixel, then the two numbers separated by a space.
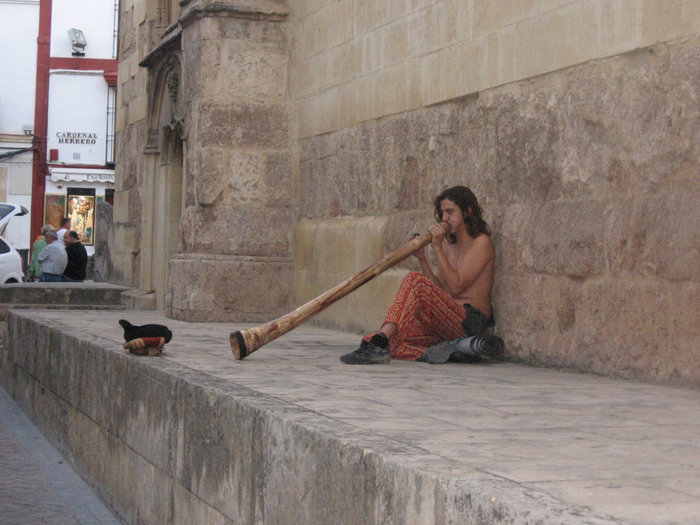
pixel 163 199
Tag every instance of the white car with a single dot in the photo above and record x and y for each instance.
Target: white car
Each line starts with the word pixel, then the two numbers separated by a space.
pixel 10 259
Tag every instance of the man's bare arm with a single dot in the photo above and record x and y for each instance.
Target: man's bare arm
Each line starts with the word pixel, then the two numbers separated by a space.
pixel 425 267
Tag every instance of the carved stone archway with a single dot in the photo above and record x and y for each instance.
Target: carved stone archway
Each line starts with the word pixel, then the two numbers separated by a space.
pixel 163 187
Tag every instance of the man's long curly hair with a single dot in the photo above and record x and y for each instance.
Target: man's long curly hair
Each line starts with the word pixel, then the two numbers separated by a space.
pixel 471 211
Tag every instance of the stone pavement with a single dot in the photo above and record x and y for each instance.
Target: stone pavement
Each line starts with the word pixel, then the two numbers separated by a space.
pixel 629 451
pixel 37 487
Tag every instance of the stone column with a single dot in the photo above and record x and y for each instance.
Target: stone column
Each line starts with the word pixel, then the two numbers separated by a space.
pixel 240 205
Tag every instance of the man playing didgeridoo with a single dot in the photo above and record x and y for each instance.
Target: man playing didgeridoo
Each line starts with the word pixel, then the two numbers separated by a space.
pixel 434 306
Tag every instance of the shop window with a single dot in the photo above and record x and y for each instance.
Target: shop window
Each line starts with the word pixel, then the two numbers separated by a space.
pixel 54 209
pixel 81 212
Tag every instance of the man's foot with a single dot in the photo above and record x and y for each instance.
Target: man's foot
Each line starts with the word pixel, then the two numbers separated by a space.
pixel 372 352
pixel 439 353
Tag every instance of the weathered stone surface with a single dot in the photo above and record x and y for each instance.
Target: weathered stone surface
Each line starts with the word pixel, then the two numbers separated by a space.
pixel 656 236
pixel 102 266
pixel 255 72
pixel 84 294
pixel 257 231
pixel 231 65
pixel 204 287
pixel 212 175
pixel 536 315
pixel 245 178
pixel 245 124
pixel 639 328
pixel 567 239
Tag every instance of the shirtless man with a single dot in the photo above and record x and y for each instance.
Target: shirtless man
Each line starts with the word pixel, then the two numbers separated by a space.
pixel 452 302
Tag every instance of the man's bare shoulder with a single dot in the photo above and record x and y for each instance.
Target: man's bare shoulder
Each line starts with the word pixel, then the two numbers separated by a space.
pixel 482 243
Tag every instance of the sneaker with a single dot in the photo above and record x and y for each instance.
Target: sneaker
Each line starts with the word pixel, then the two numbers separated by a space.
pixel 367 354
pixel 440 353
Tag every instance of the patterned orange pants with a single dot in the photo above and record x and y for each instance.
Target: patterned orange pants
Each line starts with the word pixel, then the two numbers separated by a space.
pixel 425 315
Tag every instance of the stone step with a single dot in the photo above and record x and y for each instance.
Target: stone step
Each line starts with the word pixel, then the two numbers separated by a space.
pixel 5 308
pixel 85 293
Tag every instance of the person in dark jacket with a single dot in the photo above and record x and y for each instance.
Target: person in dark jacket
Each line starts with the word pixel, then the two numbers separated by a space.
pixel 77 258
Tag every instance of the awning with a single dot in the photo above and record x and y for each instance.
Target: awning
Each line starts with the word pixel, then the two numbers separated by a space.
pixel 81 175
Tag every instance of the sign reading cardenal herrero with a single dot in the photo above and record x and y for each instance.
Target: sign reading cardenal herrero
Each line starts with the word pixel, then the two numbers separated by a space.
pixel 76 137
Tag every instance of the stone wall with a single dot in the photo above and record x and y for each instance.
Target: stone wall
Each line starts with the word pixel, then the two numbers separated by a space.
pixel 131 131
pixel 358 60
pixel 589 177
pixel 204 145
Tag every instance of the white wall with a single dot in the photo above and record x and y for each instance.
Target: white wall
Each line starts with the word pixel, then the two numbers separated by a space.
pixel 18 186
pixel 78 104
pixel 19 27
pixel 94 17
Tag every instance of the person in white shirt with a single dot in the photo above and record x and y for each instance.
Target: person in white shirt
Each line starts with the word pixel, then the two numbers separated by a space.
pixel 53 260
pixel 65 226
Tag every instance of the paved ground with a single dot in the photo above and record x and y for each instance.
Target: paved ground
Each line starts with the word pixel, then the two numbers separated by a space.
pixel 37 487
pixel 623 449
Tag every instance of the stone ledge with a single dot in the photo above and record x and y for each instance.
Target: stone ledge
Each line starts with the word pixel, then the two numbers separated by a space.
pixel 85 293
pixel 160 440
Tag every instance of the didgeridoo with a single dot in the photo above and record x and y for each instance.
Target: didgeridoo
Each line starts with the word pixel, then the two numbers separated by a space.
pixel 245 342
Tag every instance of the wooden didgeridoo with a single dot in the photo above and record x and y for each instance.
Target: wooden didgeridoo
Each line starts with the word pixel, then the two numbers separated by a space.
pixel 245 342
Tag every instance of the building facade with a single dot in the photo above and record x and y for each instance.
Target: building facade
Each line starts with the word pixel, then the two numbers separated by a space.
pixel 59 101
pixel 19 22
pixel 267 150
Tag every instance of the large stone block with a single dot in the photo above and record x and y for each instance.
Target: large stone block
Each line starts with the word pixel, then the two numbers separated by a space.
pixel 536 316
pixel 218 288
pixel 567 239
pixel 245 124
pixel 512 229
pixel 210 464
pixel 657 235
pixel 254 72
pixel 239 69
pixel 243 230
pixel 244 178
pixel 639 328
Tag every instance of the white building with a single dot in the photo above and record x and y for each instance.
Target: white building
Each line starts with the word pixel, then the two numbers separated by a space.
pixel 58 93
pixel 19 26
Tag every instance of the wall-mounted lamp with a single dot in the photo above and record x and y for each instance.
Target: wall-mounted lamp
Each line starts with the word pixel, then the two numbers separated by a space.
pixel 77 42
